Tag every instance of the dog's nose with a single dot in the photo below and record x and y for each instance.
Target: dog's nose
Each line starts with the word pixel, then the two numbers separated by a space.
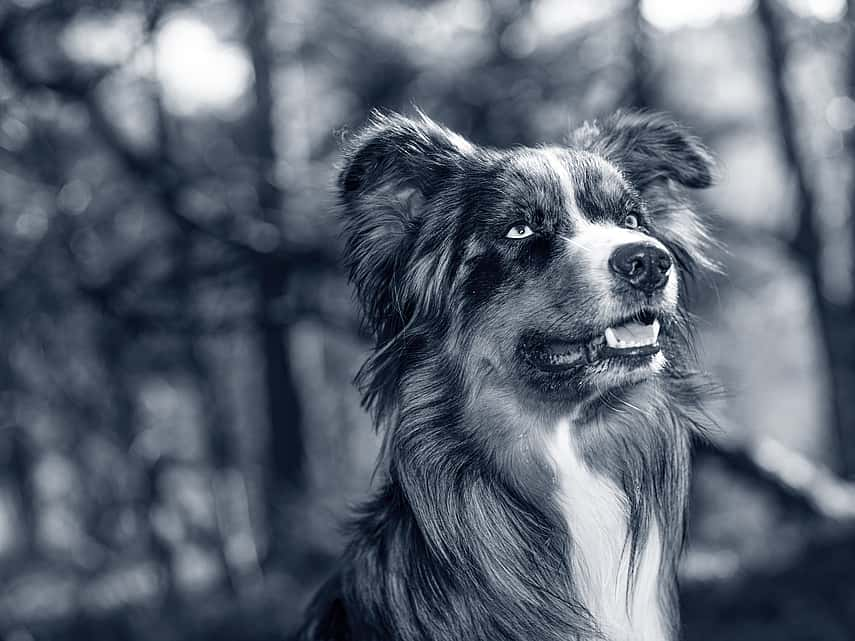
pixel 643 265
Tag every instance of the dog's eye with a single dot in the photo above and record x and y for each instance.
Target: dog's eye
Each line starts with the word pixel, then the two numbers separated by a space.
pixel 518 231
pixel 630 221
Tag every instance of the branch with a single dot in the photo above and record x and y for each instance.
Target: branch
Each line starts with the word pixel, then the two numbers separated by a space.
pixel 794 479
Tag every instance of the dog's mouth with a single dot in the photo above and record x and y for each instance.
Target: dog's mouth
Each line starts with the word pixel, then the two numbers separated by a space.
pixel 630 339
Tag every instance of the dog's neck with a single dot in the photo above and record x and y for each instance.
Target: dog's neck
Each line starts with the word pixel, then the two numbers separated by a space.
pixel 569 532
pixel 617 470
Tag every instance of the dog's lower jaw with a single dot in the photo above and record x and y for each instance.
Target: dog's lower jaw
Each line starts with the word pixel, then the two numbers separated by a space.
pixel 625 604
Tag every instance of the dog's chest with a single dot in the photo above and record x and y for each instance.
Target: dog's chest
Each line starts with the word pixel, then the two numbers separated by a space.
pixel 596 515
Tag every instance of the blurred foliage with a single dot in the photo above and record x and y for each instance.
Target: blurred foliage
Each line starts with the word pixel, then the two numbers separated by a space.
pixel 179 435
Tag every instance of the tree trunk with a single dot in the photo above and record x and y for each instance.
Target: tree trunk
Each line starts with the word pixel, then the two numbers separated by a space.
pixel 286 453
pixel 113 340
pixel 20 469
pixel 639 90
pixel 807 247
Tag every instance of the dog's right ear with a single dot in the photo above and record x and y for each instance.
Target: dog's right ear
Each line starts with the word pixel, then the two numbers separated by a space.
pixel 649 148
pixel 391 170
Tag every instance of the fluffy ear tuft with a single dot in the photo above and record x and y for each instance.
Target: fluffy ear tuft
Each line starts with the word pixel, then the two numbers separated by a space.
pixel 392 149
pixel 392 169
pixel 649 147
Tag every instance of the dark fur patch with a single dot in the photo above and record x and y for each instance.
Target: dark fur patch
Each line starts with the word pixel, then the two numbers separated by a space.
pixel 602 196
pixel 464 540
pixel 649 147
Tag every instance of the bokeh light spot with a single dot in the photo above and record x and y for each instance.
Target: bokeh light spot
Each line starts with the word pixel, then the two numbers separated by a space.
pixel 199 71
pixel 32 223
pixel 105 40
pixel 840 113
pixel 825 10
pixel 676 14
pixel 263 236
pixel 74 197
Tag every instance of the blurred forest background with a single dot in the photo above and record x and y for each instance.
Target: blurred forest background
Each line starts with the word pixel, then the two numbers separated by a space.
pixel 179 433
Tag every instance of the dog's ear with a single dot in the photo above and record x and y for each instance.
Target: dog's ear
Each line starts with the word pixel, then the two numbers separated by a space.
pixel 391 171
pixel 648 148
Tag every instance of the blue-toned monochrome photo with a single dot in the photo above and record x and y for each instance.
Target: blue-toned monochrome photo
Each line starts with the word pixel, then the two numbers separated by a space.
pixel 427 320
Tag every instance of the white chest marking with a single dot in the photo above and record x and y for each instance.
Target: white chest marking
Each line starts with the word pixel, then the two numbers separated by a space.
pixel 596 515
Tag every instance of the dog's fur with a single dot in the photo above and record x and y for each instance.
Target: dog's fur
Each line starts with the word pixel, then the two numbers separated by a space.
pixel 518 501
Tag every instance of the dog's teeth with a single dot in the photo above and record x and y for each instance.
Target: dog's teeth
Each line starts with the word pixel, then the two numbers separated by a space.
pixel 632 335
pixel 611 338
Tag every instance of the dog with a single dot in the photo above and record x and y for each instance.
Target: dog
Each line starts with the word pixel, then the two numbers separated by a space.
pixel 533 377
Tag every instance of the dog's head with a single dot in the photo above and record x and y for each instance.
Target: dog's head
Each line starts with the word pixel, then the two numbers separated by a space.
pixel 554 269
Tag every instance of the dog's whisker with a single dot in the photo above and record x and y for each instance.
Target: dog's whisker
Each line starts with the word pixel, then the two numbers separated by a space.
pixel 573 241
pixel 628 404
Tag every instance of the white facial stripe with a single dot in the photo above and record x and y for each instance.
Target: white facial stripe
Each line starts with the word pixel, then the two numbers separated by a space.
pixel 558 163
pixel 549 164
pixel 601 239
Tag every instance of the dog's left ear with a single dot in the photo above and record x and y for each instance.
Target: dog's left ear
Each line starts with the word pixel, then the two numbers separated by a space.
pixel 649 147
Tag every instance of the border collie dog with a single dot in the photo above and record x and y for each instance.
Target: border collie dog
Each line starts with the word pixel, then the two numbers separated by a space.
pixel 533 379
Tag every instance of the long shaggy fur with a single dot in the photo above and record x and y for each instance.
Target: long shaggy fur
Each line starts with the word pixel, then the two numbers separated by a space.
pixel 465 538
